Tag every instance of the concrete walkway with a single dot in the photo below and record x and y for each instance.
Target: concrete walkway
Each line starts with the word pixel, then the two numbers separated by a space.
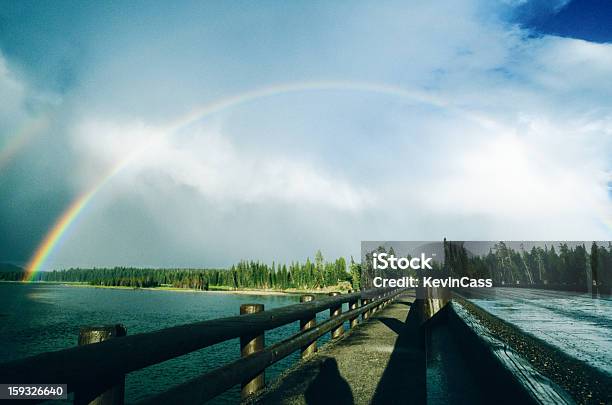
pixel 382 362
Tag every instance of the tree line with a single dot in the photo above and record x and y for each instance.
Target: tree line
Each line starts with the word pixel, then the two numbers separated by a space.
pixel 245 274
pixel 564 267
pixel 561 266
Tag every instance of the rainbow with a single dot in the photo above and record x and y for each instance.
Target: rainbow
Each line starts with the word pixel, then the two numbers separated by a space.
pixel 61 226
pixel 54 237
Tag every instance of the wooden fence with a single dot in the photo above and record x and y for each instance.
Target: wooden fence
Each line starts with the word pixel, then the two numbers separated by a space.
pixel 95 370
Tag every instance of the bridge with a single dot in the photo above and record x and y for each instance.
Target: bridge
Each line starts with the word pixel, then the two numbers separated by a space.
pixel 389 347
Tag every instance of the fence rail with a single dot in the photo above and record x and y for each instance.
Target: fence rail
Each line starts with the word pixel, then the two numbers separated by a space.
pixel 93 370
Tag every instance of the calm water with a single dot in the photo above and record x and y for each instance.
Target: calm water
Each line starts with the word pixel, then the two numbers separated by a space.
pixel 36 318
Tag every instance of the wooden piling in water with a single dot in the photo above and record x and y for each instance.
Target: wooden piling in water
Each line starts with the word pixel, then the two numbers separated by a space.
pixel 109 392
pixel 250 344
pixel 307 324
pixel 336 311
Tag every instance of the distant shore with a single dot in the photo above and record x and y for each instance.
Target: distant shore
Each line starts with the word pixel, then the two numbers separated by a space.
pixel 212 289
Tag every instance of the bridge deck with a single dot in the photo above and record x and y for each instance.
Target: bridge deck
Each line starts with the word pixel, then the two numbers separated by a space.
pixel 381 361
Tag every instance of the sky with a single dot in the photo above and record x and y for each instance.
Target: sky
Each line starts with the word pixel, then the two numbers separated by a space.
pixel 208 132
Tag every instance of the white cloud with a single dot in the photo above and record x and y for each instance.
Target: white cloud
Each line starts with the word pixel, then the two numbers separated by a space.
pixel 554 5
pixel 567 65
pixel 210 163
pixel 508 176
pixel 536 168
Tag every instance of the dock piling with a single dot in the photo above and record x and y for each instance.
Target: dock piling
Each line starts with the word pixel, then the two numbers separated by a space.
pixel 250 344
pixel 353 305
pixel 112 392
pixel 336 311
pixel 307 324
pixel 366 314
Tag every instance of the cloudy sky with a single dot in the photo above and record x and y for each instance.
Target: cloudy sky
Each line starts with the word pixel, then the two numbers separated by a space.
pixel 267 130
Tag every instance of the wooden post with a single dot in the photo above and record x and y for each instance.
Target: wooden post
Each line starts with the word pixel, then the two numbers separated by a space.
pixel 352 305
pixel 365 315
pixel 109 392
pixel 336 311
pixel 307 324
pixel 354 321
pixel 250 344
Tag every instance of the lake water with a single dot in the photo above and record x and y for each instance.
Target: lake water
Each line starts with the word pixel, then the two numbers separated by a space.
pixel 36 318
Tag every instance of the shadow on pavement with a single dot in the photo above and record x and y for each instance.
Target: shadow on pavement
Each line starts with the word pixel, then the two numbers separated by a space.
pixel 403 380
pixel 329 387
pixel 393 324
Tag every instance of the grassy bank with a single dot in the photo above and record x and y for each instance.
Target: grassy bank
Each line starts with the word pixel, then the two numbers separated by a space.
pixel 343 287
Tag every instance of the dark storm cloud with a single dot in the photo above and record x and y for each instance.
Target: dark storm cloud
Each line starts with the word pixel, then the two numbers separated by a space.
pixel 34 190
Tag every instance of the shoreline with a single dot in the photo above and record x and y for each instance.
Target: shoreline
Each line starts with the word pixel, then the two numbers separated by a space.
pixel 214 290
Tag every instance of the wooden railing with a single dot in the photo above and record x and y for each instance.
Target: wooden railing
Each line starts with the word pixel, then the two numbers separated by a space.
pixel 97 371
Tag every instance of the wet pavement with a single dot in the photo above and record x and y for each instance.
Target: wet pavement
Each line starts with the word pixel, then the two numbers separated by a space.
pixel 576 324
